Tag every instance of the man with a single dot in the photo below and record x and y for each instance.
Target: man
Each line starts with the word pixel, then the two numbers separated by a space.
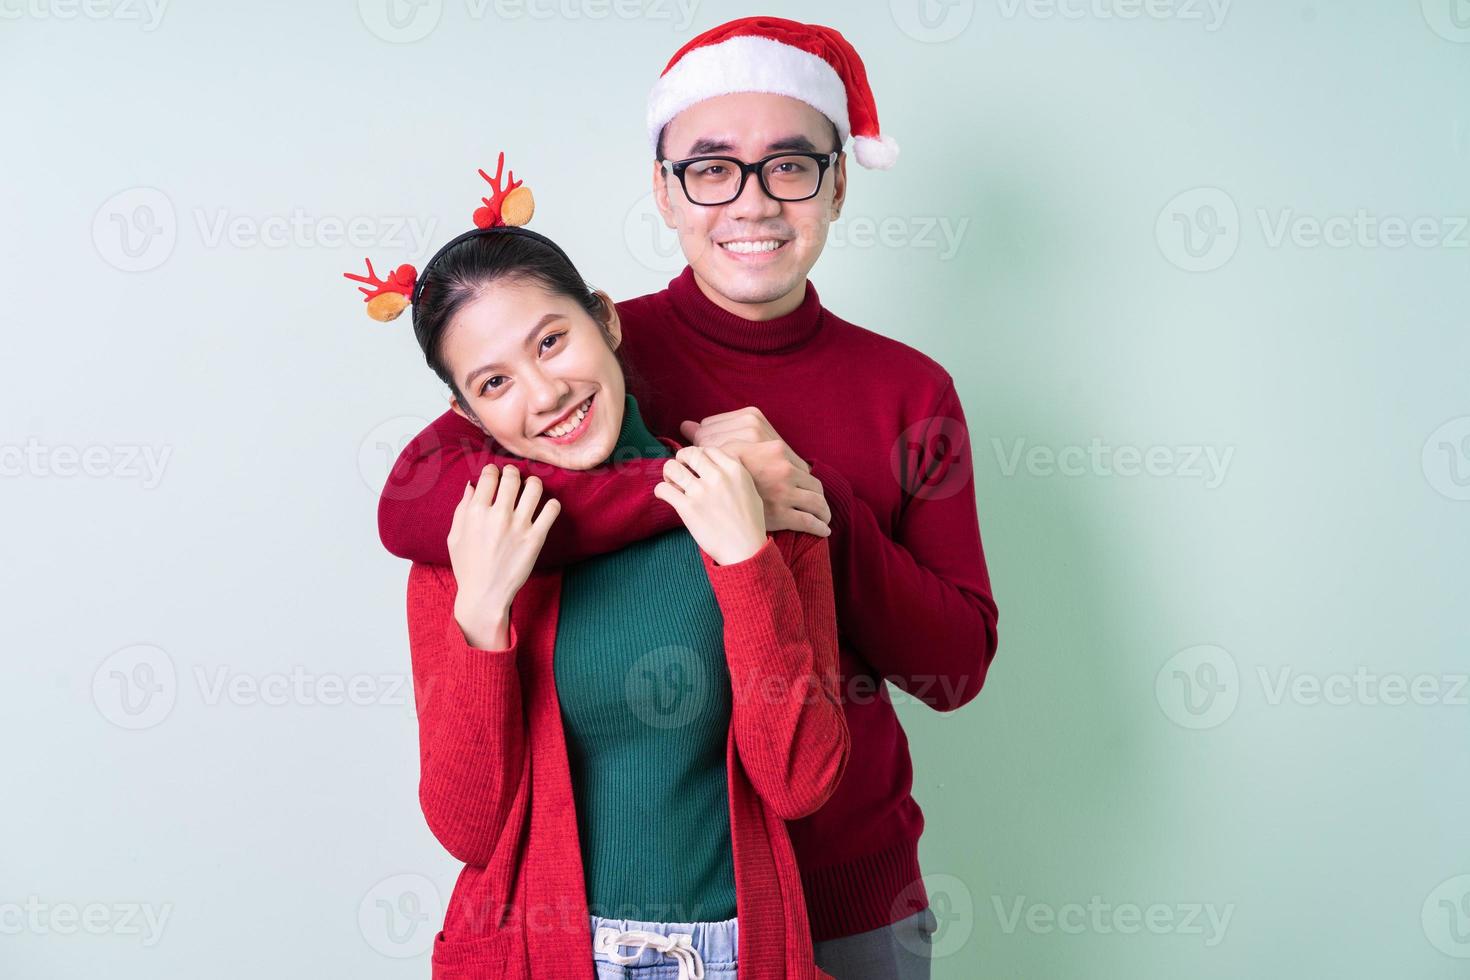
pixel 846 432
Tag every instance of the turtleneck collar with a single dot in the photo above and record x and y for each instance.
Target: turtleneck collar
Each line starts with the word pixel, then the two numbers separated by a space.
pixel 727 329
pixel 635 441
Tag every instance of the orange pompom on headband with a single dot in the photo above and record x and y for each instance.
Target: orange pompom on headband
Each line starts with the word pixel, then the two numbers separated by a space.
pixel 509 206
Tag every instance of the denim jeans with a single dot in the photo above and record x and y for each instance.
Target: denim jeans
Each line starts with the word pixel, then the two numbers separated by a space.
pixel 899 951
pixel 627 949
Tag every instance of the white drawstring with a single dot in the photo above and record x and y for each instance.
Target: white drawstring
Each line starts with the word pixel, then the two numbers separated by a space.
pixel 679 945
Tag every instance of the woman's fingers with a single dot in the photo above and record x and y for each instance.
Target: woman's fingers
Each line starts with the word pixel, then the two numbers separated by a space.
pixel 677 472
pixel 672 496
pixel 457 520
pixel 542 524
pixel 530 497
pixel 698 459
pixel 510 487
pixel 485 489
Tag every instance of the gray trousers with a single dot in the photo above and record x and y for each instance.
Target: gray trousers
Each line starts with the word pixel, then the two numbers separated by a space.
pixel 899 951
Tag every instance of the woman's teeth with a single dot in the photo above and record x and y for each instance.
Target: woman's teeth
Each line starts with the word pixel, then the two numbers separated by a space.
pixel 556 432
pixel 746 248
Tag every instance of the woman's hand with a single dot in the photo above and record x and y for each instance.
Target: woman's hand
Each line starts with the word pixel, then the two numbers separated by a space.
pixel 493 544
pixel 793 497
pixel 717 501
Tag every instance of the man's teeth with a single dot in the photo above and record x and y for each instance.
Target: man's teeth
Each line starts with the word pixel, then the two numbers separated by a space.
pixel 556 432
pixel 745 248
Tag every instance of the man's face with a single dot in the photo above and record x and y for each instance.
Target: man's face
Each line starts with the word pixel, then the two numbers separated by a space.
pixel 749 126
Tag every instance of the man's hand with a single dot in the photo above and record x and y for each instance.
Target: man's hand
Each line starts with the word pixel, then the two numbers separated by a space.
pixel 792 497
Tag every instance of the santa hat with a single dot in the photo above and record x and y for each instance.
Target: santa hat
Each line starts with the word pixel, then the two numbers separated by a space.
pixel 770 54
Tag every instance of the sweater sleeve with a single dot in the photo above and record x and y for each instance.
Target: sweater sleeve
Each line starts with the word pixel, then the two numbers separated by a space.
pixel 781 647
pixel 918 606
pixel 472 741
pixel 602 509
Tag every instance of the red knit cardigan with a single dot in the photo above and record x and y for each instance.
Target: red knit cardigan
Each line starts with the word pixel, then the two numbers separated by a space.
pixel 496 789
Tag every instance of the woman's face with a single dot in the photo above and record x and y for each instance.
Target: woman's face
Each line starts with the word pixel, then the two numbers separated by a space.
pixel 538 373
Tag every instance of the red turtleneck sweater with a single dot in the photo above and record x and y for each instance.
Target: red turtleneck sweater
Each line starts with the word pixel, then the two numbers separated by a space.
pixel 884 432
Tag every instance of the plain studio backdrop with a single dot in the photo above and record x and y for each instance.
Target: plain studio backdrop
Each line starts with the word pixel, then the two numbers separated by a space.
pixel 1199 271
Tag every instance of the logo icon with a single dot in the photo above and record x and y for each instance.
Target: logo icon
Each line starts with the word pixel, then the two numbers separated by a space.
pixel 666 687
pixel 400 21
pixel 1199 230
pixel 1450 19
pixel 931 459
pixel 1198 687
pixel 399 915
pixel 135 230
pixel 652 243
pixel 135 687
pixel 932 21
pixel 379 451
pixel 948 919
pixel 1446 917
pixel 1446 459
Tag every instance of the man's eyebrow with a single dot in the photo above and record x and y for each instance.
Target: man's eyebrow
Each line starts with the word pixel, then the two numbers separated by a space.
pixel 797 142
pixel 717 144
pixel 469 378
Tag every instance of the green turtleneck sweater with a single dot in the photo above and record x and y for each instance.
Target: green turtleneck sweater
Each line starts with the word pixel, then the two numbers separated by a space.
pixel 645 702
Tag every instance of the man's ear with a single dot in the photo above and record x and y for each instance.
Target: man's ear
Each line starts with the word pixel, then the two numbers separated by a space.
pixel 839 184
pixel 661 195
pixel 611 323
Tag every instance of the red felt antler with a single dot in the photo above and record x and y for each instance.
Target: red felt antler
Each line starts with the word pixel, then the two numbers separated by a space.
pixel 386 298
pixel 503 207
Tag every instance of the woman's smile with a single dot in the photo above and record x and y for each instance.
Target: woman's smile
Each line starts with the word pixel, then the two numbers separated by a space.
pixel 571 426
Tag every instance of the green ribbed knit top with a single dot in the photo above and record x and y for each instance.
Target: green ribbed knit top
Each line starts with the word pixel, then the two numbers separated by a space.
pixel 645 703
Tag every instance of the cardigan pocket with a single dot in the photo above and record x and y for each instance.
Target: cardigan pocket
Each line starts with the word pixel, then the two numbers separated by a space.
pixel 501 955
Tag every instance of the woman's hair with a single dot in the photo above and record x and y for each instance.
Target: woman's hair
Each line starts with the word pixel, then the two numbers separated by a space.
pixel 462 272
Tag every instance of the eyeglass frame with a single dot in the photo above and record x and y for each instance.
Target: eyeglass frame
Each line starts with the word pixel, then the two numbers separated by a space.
pixel 823 161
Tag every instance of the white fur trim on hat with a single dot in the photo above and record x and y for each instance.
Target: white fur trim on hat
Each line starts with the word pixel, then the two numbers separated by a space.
pixel 748 64
pixel 875 152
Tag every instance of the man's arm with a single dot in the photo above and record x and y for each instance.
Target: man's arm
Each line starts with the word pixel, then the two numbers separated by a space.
pixel 602 510
pixel 918 606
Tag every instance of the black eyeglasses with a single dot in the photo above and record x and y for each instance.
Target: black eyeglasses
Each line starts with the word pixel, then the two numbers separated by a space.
pixel 711 181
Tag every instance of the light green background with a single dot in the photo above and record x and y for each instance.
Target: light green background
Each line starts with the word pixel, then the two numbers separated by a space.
pixel 1064 149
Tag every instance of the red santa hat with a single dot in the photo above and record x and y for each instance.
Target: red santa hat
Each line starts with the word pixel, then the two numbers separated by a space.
pixel 770 54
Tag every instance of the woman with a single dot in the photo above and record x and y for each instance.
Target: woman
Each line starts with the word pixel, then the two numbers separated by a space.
pixel 612 749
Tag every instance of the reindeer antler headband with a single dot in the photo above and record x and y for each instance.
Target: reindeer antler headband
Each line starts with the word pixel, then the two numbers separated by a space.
pixel 508 207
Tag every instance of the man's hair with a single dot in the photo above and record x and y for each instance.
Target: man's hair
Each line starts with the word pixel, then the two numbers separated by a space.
pixel 658 153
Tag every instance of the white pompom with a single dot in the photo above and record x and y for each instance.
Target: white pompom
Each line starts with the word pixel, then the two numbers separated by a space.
pixel 875 153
